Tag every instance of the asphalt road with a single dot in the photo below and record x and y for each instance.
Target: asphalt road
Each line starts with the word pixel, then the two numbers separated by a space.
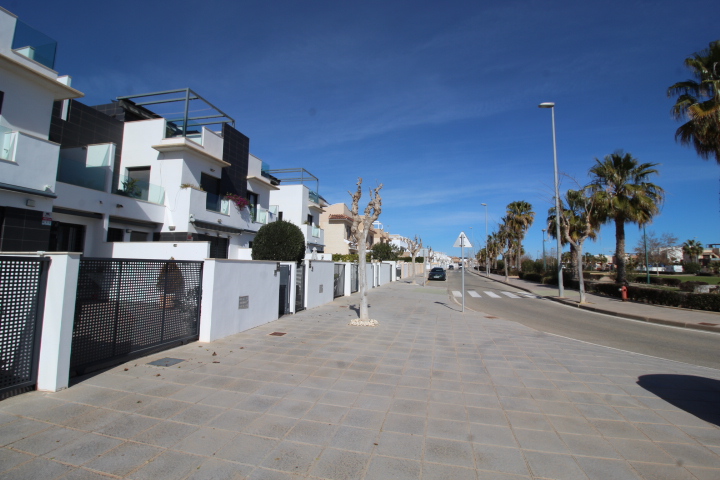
pixel 684 345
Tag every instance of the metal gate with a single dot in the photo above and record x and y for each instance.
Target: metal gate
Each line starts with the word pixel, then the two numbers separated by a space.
pixel 129 308
pixel 354 280
pixel 339 290
pixel 300 288
pixel 22 302
pixel 284 300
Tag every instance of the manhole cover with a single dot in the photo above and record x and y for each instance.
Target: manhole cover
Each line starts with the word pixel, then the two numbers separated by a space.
pixel 166 362
pixel 277 334
pixel 710 324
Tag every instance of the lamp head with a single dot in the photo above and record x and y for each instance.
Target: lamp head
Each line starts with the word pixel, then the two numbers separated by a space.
pixel 484 204
pixel 547 105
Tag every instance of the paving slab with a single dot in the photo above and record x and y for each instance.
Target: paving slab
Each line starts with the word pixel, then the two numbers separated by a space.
pixel 429 393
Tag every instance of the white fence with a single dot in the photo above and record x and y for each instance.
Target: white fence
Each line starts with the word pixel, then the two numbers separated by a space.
pixel 236 295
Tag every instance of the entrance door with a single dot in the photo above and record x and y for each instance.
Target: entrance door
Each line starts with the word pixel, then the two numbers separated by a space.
pixel 284 300
pixel 300 288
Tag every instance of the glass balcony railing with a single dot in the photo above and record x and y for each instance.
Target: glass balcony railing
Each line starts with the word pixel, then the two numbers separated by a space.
pixel 140 189
pixel 215 203
pixel 8 138
pixel 34 44
pixel 76 172
pixel 315 231
pixel 314 197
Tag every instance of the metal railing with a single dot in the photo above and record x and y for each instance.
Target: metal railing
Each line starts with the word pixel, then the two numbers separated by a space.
pixel 22 301
pixel 128 307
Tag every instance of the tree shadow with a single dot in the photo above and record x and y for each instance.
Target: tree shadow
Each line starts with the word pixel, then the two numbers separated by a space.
pixel 699 396
pixel 451 307
pixel 356 308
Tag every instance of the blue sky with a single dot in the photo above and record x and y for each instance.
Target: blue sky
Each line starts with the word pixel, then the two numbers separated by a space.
pixel 436 100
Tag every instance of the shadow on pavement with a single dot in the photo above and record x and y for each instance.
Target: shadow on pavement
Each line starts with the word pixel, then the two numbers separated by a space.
pixel 448 306
pixel 699 396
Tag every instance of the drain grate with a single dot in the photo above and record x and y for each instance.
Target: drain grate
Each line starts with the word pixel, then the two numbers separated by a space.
pixel 277 334
pixel 166 362
pixel 709 324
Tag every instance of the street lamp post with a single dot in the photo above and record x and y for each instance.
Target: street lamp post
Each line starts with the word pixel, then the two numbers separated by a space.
pixel 487 254
pixel 544 261
pixel 561 292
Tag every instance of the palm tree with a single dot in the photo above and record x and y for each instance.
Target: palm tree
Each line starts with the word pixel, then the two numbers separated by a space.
pixel 693 248
pixel 505 237
pixel 519 219
pixel 623 194
pixel 699 102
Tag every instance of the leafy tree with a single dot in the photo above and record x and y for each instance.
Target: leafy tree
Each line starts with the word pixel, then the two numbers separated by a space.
pixel 623 194
pixel 693 249
pixel 698 102
pixel 372 212
pixel 279 241
pixel 384 252
pixel 579 221
pixel 692 267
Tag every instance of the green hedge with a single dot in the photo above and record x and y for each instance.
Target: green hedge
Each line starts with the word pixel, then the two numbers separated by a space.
pixel 655 280
pixel 696 301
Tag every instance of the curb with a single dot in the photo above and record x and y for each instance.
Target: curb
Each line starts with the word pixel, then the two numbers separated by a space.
pixel 629 316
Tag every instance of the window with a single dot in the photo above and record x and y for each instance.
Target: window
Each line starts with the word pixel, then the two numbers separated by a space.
pixel 138 236
pixel 280 217
pixel 115 235
pixel 252 207
pixel 2 97
pixel 309 219
pixel 218 245
pixel 212 186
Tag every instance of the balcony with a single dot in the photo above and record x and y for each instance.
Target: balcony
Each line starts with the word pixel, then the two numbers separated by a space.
pixel 265 215
pixel 215 203
pixel 34 45
pixel 313 197
pixel 314 235
pixel 140 189
pixel 87 167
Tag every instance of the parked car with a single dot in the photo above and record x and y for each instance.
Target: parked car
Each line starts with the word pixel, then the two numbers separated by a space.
pixel 451 267
pixel 437 273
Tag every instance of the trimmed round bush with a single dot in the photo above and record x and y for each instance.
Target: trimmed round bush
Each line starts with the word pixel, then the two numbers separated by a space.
pixel 279 241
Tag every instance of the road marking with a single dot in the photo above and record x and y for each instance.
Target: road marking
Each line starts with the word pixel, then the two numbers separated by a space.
pixel 508 294
pixel 492 294
pixel 473 293
pixel 457 294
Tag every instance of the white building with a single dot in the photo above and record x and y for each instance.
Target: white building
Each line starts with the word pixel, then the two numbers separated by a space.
pixel 28 160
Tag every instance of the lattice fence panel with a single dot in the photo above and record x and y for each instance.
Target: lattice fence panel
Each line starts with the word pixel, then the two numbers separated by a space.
pixel 128 306
pixel 22 294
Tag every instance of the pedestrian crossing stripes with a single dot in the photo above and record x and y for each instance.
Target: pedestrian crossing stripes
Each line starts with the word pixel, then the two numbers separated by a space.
pixel 490 294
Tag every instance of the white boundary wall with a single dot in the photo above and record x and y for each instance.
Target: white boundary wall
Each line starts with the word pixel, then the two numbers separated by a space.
pixel 322 273
pixel 224 282
pixel 385 274
pixel 162 250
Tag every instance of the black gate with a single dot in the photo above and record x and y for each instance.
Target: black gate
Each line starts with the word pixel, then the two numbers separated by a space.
pixel 129 308
pixel 22 302
pixel 354 287
pixel 300 288
pixel 339 290
pixel 284 300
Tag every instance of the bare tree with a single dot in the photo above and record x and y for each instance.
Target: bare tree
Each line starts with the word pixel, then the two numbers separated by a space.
pixel 372 212
pixel 414 247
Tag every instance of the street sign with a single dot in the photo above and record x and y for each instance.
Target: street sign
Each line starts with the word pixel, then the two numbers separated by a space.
pixel 462 241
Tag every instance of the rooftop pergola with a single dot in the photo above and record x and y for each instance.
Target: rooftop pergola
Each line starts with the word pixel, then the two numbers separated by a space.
pixel 184 108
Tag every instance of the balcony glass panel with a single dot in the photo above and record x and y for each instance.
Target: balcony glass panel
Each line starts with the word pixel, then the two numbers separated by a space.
pixel 74 169
pixel 34 44
pixel 8 138
pixel 215 203
pixel 315 231
pixel 314 197
pixel 142 190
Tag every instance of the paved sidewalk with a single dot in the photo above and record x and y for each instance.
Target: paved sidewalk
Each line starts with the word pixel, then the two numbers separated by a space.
pixel 679 317
pixel 431 393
